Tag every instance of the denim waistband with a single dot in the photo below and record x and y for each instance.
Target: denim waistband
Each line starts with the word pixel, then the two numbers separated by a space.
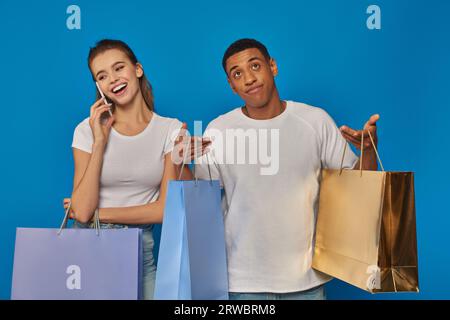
pixel 90 225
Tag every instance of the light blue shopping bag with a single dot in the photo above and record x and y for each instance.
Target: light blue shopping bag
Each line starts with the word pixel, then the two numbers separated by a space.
pixel 192 257
pixel 77 264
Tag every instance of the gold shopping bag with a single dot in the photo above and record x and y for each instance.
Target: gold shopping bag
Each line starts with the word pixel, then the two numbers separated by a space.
pixel 366 229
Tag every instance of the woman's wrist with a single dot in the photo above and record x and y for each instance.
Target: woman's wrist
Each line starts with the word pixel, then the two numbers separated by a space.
pixel 98 145
pixel 101 215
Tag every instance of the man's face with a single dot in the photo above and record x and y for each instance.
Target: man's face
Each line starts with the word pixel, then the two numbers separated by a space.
pixel 251 76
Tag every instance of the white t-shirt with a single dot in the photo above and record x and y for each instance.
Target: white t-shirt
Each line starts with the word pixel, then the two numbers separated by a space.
pixel 132 165
pixel 270 208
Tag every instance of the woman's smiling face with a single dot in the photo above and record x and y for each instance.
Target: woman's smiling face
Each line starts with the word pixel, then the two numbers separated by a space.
pixel 117 76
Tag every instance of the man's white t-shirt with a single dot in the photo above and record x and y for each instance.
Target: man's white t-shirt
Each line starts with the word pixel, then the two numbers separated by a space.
pixel 270 208
pixel 133 166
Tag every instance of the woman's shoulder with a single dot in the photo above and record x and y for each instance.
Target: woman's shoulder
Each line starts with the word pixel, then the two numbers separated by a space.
pixel 82 136
pixel 83 130
pixel 83 125
pixel 167 122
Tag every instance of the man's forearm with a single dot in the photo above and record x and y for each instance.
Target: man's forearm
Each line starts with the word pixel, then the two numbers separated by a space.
pixel 187 174
pixel 369 161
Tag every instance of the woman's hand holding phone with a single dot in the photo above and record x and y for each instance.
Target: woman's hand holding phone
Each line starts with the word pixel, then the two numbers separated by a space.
pixel 100 129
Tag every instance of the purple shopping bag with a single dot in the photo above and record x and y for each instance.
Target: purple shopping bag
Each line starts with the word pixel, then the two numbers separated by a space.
pixel 77 264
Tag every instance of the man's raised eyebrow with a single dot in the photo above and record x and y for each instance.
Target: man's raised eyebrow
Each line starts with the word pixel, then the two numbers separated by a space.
pixel 249 60
pixel 111 66
pixel 234 67
pixel 254 58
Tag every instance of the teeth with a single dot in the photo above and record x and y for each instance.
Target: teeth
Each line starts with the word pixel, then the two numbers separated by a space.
pixel 119 87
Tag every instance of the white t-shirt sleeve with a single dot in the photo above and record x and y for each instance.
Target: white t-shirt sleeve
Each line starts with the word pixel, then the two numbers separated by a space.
pixel 82 137
pixel 333 144
pixel 172 133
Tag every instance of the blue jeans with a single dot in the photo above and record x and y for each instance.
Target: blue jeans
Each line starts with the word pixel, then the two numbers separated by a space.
pixel 149 267
pixel 317 293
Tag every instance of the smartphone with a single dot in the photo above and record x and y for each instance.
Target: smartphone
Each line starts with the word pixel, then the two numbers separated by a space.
pixel 104 117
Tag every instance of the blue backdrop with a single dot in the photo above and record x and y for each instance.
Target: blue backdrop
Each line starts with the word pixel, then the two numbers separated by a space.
pixel 326 55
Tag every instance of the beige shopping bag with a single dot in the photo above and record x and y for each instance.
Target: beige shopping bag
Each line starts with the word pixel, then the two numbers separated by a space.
pixel 366 229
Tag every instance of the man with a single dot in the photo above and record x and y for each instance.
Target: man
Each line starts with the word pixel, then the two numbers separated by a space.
pixel 270 202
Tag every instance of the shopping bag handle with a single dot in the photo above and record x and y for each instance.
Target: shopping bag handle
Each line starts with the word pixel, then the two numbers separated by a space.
pixel 184 159
pixel 362 153
pixel 66 219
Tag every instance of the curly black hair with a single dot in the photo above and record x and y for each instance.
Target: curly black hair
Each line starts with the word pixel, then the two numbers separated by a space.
pixel 241 45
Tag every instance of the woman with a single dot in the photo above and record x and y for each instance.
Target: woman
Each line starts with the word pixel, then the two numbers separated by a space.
pixel 123 152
